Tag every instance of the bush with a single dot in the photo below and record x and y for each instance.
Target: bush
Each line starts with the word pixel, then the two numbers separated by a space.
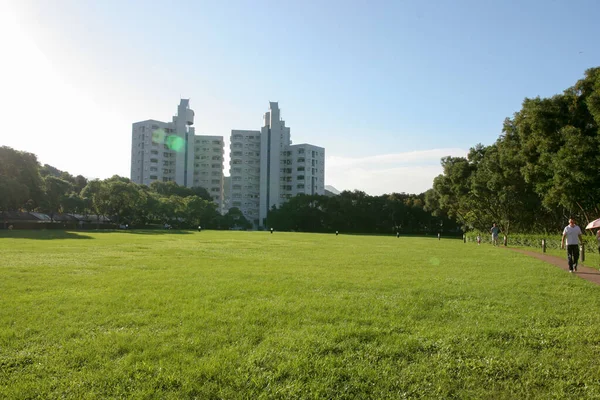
pixel 534 240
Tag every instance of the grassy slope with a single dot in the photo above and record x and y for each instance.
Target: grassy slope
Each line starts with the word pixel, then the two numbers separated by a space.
pixel 250 315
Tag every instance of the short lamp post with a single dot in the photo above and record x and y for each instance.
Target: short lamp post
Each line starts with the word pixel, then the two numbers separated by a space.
pixel 543 245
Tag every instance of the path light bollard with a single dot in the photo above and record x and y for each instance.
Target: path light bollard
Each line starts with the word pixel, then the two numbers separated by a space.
pixel 464 238
pixel 543 245
pixel 336 233
pixel 582 252
pixel 271 230
pixel 398 234
pixel 505 240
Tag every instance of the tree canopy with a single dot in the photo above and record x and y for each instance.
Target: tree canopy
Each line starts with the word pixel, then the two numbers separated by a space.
pixel 543 168
pixel 26 185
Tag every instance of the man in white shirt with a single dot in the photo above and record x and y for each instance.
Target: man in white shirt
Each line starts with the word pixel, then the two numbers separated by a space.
pixel 573 235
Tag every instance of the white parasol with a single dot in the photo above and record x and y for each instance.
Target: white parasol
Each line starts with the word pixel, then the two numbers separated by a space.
pixel 593 224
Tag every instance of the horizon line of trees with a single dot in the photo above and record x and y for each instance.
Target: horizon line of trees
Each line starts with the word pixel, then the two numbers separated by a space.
pixel 543 169
pixel 25 185
pixel 357 212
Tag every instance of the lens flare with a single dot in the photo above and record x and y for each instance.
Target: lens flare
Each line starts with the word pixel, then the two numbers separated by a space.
pixel 175 143
pixel 158 136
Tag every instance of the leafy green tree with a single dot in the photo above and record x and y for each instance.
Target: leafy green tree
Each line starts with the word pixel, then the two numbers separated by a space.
pixel 47 169
pixel 56 190
pixel 195 209
pixel 234 218
pixel 19 176
pixel 74 204
pixel 13 194
pixel 200 192
pixel 98 196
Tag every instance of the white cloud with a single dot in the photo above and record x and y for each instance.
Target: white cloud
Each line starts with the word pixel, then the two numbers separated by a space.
pixel 409 172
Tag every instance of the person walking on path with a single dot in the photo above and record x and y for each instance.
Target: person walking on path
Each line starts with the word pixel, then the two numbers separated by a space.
pixel 495 231
pixel 573 235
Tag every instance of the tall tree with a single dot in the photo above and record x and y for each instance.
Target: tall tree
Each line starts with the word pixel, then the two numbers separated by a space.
pixel 19 176
pixel 97 194
pixel 56 190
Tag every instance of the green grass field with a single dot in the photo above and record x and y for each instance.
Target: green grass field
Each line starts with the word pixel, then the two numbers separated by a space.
pixel 246 315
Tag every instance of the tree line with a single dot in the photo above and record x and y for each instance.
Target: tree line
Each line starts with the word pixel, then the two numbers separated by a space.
pixel 357 212
pixel 543 168
pixel 25 185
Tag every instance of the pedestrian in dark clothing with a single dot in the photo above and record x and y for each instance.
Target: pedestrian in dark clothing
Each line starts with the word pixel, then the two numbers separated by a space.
pixel 572 234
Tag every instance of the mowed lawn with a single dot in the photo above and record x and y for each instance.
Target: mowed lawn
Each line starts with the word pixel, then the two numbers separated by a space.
pixel 246 315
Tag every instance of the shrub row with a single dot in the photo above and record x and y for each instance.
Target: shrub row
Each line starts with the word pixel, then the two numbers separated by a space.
pixel 533 240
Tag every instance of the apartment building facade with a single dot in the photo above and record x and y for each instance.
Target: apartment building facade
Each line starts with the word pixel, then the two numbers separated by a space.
pixel 172 152
pixel 208 166
pixel 244 172
pixel 266 169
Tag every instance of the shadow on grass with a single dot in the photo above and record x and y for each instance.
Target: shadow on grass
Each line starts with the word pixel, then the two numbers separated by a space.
pixel 41 234
pixel 146 231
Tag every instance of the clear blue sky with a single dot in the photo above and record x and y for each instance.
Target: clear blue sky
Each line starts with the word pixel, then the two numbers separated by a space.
pixel 385 87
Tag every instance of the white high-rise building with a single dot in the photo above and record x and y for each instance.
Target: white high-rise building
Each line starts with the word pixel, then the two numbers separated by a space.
pixel 266 169
pixel 208 166
pixel 244 172
pixel 171 151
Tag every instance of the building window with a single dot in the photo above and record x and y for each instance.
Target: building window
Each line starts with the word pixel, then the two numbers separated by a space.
pixel 300 177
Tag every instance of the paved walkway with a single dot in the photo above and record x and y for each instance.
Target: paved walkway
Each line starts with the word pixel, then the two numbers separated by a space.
pixel 583 271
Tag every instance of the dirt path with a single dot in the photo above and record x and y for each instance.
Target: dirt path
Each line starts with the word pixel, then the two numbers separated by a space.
pixel 584 272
